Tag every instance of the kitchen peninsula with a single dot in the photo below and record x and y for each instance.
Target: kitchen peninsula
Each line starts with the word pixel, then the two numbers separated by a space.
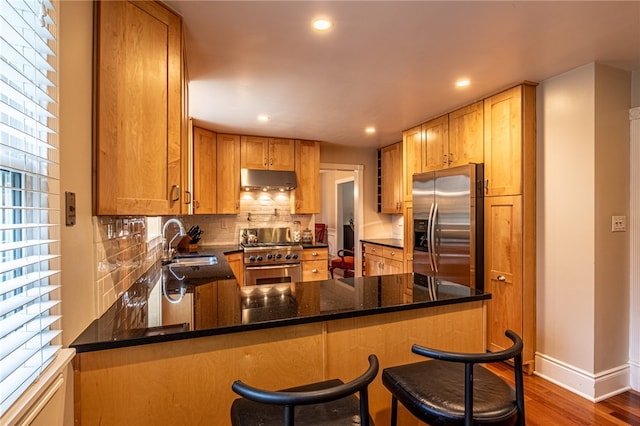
pixel 132 368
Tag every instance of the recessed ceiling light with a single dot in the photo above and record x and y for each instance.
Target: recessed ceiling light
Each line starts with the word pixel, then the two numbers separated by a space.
pixel 263 118
pixel 370 130
pixel 463 83
pixel 322 24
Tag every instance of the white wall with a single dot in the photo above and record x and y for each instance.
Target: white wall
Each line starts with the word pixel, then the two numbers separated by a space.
pixel 76 56
pixel 582 321
pixel 377 225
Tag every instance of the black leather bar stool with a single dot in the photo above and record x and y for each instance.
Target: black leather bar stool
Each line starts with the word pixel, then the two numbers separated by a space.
pixel 331 402
pixel 448 390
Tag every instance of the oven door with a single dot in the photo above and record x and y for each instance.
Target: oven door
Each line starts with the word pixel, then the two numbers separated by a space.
pixel 272 274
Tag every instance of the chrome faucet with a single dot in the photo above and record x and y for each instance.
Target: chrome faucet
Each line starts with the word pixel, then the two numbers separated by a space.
pixel 167 249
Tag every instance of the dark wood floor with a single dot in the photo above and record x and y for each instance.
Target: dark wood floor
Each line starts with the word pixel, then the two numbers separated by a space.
pixel 549 404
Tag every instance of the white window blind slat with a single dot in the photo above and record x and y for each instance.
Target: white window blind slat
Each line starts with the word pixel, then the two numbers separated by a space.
pixel 38 312
pixel 29 195
pixel 24 262
pixel 25 244
pixel 24 281
pixel 35 340
pixel 24 299
pixel 19 381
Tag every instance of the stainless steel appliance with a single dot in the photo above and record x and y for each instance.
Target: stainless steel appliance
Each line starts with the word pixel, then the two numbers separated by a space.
pixel 270 256
pixel 448 238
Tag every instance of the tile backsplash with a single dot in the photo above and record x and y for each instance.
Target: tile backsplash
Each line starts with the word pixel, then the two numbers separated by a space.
pixel 257 210
pixel 124 251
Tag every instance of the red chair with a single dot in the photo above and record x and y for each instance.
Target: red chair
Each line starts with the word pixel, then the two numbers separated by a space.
pixel 344 261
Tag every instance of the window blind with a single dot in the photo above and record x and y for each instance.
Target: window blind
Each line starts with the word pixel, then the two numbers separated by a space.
pixel 29 196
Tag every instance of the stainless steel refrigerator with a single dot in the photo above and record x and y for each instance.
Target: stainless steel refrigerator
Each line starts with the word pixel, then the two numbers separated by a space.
pixel 448 224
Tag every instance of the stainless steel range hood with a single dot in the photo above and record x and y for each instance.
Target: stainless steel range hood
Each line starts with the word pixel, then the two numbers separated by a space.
pixel 267 180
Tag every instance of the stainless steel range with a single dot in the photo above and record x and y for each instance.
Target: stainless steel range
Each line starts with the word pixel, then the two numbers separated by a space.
pixel 270 256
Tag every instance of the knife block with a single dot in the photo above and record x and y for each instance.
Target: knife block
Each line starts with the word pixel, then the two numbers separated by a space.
pixel 185 244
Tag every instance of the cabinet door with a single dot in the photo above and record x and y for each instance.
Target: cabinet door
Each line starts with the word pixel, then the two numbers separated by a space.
pixel 204 171
pixel 435 144
pixel 503 269
pixel 205 308
pixel 503 143
pixel 391 178
pixel 281 154
pixel 255 152
pixel 390 267
pixel 236 263
pixel 466 135
pixel 138 109
pixel 305 199
pixel 412 153
pixel 228 174
pixel 372 264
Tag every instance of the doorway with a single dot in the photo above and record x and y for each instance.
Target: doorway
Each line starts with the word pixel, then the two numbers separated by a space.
pixel 342 207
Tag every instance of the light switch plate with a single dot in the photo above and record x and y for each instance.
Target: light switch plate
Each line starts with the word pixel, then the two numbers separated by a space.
pixel 618 223
pixel 70 208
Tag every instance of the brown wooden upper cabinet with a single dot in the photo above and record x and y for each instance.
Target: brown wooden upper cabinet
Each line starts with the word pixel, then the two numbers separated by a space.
pixel 267 153
pixel 450 140
pixel 216 172
pixel 506 127
pixel 466 136
pixel 305 199
pixel 204 171
pixel 435 145
pixel 391 178
pixel 228 174
pixel 138 109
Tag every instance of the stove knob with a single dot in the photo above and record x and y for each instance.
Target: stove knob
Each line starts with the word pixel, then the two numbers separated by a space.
pixel 259 258
pixel 279 256
pixel 269 256
pixel 288 256
pixel 295 256
pixel 252 259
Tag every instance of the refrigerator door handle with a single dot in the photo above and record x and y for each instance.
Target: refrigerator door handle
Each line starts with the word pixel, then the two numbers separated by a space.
pixel 429 237
pixel 432 238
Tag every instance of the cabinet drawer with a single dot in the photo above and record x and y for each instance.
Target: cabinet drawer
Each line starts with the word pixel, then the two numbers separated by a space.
pixel 392 253
pixel 313 270
pixel 315 254
pixel 373 249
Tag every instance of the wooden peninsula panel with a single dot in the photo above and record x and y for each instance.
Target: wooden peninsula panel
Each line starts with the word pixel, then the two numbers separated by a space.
pixel 189 381
pixel 390 336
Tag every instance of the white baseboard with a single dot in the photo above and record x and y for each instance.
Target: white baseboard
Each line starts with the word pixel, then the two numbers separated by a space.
pixel 634 376
pixel 594 387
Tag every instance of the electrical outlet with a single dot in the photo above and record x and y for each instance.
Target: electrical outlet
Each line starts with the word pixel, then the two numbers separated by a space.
pixel 618 223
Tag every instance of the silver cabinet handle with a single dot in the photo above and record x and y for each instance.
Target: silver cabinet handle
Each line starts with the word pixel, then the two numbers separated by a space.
pixel 393 253
pixel 315 253
pixel 188 201
pixel 315 271
pixel 501 278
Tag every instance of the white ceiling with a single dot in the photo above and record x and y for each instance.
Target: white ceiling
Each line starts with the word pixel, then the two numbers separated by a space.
pixel 387 64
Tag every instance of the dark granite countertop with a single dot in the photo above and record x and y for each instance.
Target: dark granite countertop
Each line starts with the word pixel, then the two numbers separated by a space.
pixel 314 245
pixel 389 242
pixel 181 302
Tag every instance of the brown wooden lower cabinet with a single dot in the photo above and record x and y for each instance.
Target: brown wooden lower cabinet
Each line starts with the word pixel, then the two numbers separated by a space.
pixel 512 304
pixel 188 382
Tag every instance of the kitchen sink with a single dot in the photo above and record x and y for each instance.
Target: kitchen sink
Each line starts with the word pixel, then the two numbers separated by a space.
pixel 195 261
